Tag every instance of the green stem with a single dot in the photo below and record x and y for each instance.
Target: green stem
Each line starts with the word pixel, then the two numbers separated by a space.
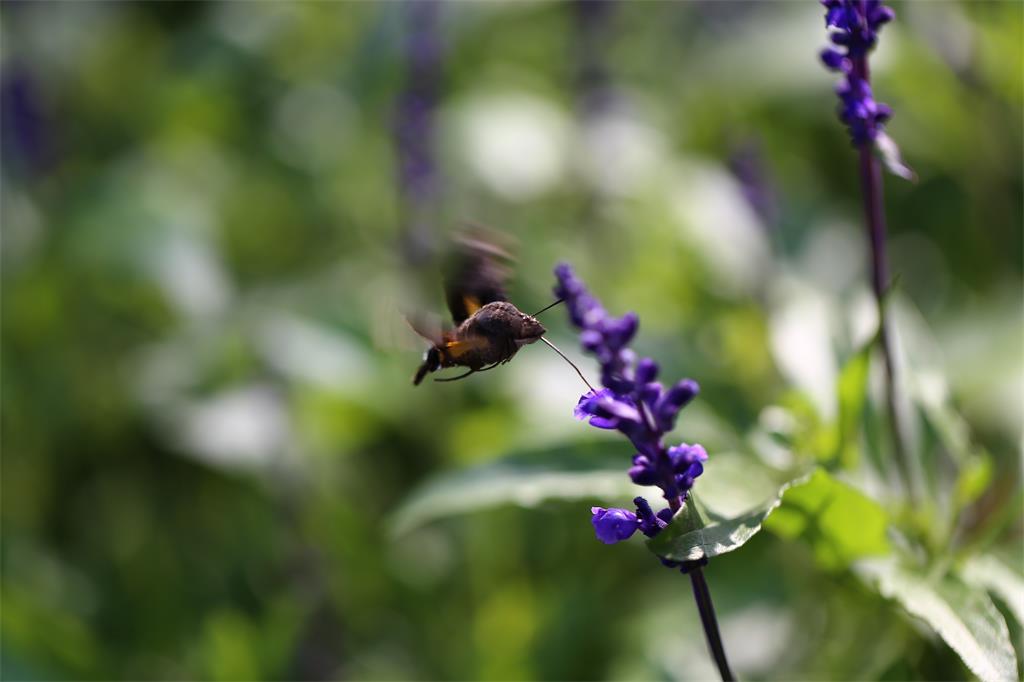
pixel 707 618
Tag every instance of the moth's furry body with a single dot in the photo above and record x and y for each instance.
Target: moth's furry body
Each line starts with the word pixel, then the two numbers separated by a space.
pixel 490 336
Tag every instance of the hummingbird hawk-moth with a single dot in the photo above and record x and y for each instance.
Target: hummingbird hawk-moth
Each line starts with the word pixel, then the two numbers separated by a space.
pixel 489 330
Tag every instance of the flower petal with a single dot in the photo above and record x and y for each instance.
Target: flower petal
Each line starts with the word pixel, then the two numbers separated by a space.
pixel 613 525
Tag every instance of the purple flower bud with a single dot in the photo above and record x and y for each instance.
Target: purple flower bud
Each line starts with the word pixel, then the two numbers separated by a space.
pixel 842 39
pixel 836 14
pixel 683 455
pixel 650 524
pixel 835 60
pixel 643 472
pixel 619 332
pixel 675 399
pixel 686 478
pixel 833 17
pixel 646 371
pixel 613 379
pixel 591 340
pixel 651 393
pixel 613 525
pixel 880 15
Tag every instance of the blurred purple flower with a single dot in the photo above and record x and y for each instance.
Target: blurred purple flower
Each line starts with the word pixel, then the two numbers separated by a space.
pixel 857 21
pixel 414 132
pixel 634 403
pixel 856 24
pixel 595 91
pixel 747 164
pixel 24 124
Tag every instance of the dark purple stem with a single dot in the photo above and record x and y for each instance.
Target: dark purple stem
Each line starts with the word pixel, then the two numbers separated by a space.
pixel 707 618
pixel 874 215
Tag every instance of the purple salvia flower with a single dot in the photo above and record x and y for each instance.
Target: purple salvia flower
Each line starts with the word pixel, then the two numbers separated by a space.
pixel 634 403
pixel 856 24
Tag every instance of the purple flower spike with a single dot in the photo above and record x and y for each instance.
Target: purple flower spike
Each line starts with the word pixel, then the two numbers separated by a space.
pixel 613 525
pixel 635 404
pixel 856 24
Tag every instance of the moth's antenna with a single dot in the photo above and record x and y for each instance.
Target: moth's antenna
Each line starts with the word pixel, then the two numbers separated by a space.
pixel 547 307
pixel 555 348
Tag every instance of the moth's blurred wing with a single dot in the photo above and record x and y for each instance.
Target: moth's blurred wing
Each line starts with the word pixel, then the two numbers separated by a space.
pixel 391 296
pixel 477 273
pixel 427 326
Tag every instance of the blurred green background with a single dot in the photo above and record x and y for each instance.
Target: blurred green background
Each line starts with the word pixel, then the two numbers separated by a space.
pixel 207 420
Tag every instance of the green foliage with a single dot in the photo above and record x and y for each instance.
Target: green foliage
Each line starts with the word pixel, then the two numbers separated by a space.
pixel 965 619
pixel 524 481
pixel 840 523
pixel 852 388
pixel 990 573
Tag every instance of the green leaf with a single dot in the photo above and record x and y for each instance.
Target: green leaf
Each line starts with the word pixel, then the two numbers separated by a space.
pixel 852 389
pixel 939 414
pixel 692 517
pixel 973 479
pixel 507 482
pixel 841 523
pixel 690 536
pixel 965 618
pixel 989 573
pixel 807 434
